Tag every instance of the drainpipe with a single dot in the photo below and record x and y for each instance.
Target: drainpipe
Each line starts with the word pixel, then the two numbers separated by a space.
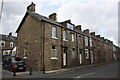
pixel 77 47
pixel 61 48
pixel 43 43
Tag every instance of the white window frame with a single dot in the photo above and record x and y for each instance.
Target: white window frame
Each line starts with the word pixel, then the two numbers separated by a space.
pixel 73 37
pixel 86 54
pixel 54 56
pixel 91 42
pixel 86 41
pixel 11 44
pixel 79 40
pixel 70 26
pixel 73 52
pixel 1 43
pixel 54 32
pixel 114 49
pixel 65 35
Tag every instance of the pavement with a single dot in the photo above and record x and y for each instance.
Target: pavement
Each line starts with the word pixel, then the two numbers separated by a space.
pixel 7 74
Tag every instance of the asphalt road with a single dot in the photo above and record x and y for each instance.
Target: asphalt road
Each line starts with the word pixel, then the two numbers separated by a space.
pixel 103 71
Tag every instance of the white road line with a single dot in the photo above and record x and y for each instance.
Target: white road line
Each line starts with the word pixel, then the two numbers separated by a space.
pixel 84 75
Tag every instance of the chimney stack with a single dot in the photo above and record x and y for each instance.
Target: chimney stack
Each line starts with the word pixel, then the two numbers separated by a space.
pixel 111 42
pixel 10 34
pixel 78 28
pixel 31 7
pixel 92 33
pixel 86 31
pixel 53 16
pixel 69 21
pixel 98 36
pixel 102 38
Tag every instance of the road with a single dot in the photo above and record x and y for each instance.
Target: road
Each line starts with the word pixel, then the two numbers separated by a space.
pixel 103 71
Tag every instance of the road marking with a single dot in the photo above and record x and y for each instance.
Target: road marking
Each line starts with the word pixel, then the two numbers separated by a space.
pixel 84 75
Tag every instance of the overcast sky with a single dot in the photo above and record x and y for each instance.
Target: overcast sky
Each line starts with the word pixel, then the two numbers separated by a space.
pixel 100 16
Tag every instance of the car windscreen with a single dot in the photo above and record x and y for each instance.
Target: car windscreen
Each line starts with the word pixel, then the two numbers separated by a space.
pixel 16 59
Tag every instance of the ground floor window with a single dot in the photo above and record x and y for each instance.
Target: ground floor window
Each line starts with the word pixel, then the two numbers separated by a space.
pixel 54 54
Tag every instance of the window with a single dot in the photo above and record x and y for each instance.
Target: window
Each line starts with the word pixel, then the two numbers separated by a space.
pixel 54 32
pixel 2 43
pixel 11 44
pixel 90 42
pixel 86 54
pixel 53 52
pixel 73 52
pixel 70 26
pixel 114 49
pixel 79 39
pixel 64 35
pixel 73 38
pixel 86 41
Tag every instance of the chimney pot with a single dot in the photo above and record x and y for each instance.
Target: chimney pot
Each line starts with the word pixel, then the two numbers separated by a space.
pixel 98 36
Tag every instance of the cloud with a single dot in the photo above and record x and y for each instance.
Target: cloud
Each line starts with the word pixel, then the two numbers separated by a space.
pixel 98 17
pixel 12 15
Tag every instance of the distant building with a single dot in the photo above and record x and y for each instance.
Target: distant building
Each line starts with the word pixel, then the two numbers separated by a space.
pixel 7 43
pixel 45 42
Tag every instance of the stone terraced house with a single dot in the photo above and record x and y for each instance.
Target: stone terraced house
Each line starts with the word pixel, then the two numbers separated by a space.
pixel 7 44
pixel 45 42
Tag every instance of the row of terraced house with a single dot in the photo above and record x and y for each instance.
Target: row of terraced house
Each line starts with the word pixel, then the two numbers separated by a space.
pixel 45 42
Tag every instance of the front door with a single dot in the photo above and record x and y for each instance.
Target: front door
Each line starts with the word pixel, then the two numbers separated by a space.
pixel 80 59
pixel 91 54
pixel 64 57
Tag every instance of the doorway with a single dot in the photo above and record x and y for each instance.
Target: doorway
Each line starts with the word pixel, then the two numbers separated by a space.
pixel 64 57
pixel 91 55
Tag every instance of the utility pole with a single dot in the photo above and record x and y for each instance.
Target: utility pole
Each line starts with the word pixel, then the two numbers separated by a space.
pixel 1 11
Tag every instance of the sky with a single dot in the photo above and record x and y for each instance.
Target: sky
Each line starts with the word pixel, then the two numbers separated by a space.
pixel 99 16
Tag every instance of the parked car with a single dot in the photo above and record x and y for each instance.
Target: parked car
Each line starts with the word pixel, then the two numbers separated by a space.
pixel 9 63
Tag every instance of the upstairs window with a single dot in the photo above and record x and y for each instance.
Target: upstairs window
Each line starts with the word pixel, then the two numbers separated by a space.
pixel 90 42
pixel 73 38
pixel 64 35
pixel 86 54
pixel 11 44
pixel 79 39
pixel 54 32
pixel 54 51
pixel 2 43
pixel 86 41
pixel 69 26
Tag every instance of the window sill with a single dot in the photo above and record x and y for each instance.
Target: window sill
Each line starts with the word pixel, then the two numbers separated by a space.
pixel 54 58
pixel 73 41
pixel 87 58
pixel 54 38
pixel 65 40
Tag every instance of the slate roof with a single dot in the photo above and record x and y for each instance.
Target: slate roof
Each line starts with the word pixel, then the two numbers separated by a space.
pixel 8 38
pixel 40 17
pixel 43 18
